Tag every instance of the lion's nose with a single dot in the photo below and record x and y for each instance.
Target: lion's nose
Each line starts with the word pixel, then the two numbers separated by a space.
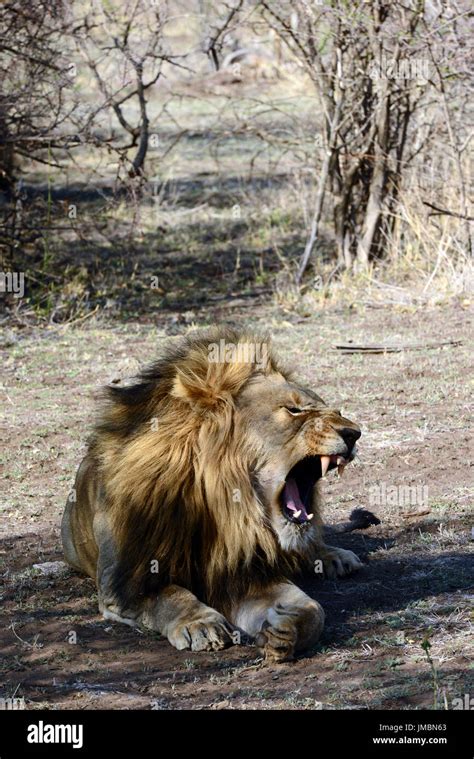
pixel 350 435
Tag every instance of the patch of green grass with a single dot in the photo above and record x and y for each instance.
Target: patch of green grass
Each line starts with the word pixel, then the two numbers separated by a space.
pixel 189 664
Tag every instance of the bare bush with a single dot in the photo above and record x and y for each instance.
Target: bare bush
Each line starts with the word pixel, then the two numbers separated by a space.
pixel 375 67
pixel 123 46
pixel 328 136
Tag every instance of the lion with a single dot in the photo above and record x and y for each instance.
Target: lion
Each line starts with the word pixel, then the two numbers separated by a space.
pixel 198 499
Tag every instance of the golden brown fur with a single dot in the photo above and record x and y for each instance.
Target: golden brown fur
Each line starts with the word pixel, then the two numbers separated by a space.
pixel 158 473
pixel 185 469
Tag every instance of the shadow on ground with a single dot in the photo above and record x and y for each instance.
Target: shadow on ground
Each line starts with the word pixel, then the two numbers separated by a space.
pixel 112 666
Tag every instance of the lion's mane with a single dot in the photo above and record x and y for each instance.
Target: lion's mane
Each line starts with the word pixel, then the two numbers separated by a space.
pixel 176 473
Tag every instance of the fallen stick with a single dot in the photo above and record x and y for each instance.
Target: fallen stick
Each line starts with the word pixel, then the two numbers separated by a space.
pixel 352 348
pixel 414 514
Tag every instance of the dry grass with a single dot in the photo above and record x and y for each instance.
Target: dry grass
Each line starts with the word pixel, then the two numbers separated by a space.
pixel 418 580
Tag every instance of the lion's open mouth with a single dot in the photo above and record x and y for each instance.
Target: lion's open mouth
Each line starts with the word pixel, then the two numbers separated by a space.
pixel 297 495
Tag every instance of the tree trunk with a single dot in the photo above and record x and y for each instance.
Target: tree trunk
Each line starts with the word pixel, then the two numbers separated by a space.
pixel 139 160
pixel 378 181
pixel 314 231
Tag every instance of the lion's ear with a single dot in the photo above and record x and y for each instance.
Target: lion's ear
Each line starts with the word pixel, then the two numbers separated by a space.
pixel 207 385
pixel 196 392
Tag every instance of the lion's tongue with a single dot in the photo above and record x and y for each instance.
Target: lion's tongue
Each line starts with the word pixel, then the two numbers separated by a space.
pixel 292 498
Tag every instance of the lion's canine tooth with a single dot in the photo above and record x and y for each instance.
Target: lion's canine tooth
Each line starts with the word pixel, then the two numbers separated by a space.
pixel 325 461
pixel 340 469
pixel 310 516
pixel 296 514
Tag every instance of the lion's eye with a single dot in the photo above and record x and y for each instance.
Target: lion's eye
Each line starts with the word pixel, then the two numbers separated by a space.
pixel 294 410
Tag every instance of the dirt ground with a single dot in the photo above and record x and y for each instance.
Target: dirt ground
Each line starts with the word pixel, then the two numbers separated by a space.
pixel 417 583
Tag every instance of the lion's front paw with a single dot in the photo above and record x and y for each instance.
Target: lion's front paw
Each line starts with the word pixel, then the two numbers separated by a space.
pixel 278 635
pixel 211 632
pixel 339 562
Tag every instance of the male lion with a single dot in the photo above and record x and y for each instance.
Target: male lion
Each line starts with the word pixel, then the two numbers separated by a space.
pixel 198 499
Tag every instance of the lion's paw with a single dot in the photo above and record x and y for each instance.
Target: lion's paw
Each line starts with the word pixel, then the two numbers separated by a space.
pixel 278 635
pixel 212 632
pixel 339 562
